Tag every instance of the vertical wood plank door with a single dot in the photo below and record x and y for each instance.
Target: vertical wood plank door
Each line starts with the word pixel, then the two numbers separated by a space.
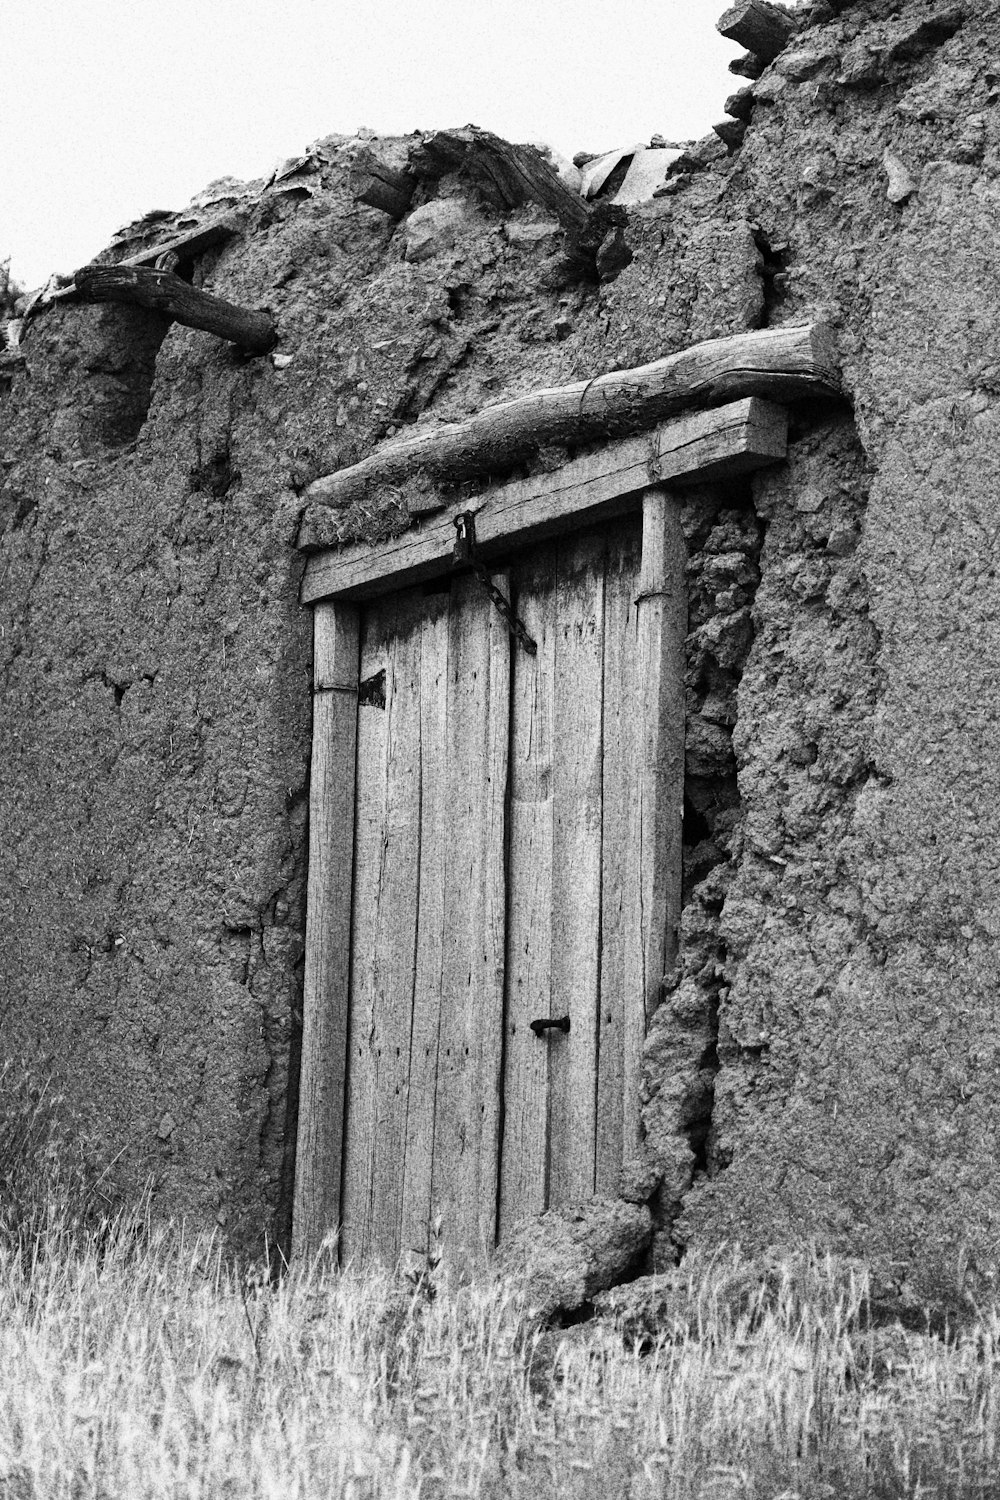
pixel 503 839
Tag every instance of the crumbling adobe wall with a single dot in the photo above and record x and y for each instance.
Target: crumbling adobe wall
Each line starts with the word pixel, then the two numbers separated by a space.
pixel 858 1088
pixel 824 1059
pixel 155 658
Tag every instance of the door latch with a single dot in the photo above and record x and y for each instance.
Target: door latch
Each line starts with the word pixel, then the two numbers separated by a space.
pixel 562 1024
pixel 466 556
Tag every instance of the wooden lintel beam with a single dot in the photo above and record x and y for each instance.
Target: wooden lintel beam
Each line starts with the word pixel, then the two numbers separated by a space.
pixel 782 364
pixel 700 447
pixel 165 292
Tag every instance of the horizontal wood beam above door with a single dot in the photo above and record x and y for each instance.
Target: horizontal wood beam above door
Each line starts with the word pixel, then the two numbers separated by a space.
pixel 700 447
pixel 782 364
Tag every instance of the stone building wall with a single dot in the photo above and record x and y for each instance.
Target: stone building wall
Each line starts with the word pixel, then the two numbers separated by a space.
pixel 828 1059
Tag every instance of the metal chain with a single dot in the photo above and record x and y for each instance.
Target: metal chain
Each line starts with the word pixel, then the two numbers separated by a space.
pixel 465 553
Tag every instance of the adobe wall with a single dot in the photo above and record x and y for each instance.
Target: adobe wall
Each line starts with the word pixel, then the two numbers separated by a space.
pixel 828 1061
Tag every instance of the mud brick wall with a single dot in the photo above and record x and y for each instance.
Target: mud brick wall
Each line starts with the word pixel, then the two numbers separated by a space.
pixel 827 1058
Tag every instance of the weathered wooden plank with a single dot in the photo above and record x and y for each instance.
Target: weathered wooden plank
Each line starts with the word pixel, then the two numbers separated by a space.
pixel 662 626
pixel 189 243
pixel 384 930
pixel 375 182
pixel 759 26
pixel 622 1007
pixel 576 865
pixel 435 791
pixel 505 173
pixel 778 363
pixel 467 1102
pixel 166 292
pixel 729 440
pixel 316 1210
pixel 524 1164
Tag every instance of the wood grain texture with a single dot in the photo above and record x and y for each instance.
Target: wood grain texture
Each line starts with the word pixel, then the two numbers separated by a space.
pixel 507 174
pixel 166 292
pixel 189 243
pixel 622 1007
pixel 777 363
pixel 435 792
pixel 374 182
pixel 316 1210
pixel 524 1165
pixel 384 934
pixel 577 833
pixel 467 1101
pixel 730 440
pixel 662 626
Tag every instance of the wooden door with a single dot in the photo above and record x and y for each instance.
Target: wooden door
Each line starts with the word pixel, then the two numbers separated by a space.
pixel 508 812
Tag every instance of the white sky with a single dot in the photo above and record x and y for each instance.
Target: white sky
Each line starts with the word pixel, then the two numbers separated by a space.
pixel 109 108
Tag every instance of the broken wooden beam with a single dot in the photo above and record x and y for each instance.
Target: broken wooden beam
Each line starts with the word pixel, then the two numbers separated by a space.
pixel 165 292
pixel 762 28
pixel 374 182
pixel 507 175
pixel 697 448
pixel 188 244
pixel 781 363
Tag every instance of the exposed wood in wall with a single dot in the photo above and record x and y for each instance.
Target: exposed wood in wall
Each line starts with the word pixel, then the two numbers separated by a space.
pixel 374 182
pixel 762 28
pixel 186 246
pixel 506 174
pixel 730 440
pixel 781 363
pixel 163 291
pixel 316 1211
pixel 662 628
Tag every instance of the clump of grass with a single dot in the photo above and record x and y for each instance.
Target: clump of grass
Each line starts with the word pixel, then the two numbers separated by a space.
pixel 53 1182
pixel 156 1368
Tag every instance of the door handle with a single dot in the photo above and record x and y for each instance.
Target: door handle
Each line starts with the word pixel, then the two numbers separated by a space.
pixel 562 1024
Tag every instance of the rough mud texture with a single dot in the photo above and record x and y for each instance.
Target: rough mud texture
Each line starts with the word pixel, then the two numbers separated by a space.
pixel 827 1059
pixel 565 1256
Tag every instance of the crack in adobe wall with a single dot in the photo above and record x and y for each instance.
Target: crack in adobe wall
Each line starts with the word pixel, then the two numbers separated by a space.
pixel 680 1058
pixel 792 926
pixel 778 617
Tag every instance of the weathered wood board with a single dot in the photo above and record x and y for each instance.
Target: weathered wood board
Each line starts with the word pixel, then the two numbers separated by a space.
pixel 731 440
pixel 778 363
pixel 328 946
pixel 387 845
pixel 517 823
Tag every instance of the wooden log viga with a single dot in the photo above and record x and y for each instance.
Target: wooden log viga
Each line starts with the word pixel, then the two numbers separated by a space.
pixel 782 364
pixel 163 291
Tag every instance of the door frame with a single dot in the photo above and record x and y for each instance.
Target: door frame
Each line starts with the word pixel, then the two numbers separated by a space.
pixel 622 477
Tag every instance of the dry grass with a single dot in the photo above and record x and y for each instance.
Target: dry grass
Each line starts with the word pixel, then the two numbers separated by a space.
pixel 146 1366
pixel 139 1362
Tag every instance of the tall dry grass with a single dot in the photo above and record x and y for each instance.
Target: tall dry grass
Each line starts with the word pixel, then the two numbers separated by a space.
pixel 148 1366
pixel 139 1362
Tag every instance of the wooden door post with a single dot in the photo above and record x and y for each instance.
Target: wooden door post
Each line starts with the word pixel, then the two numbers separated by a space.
pixel 316 1210
pixel 662 626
